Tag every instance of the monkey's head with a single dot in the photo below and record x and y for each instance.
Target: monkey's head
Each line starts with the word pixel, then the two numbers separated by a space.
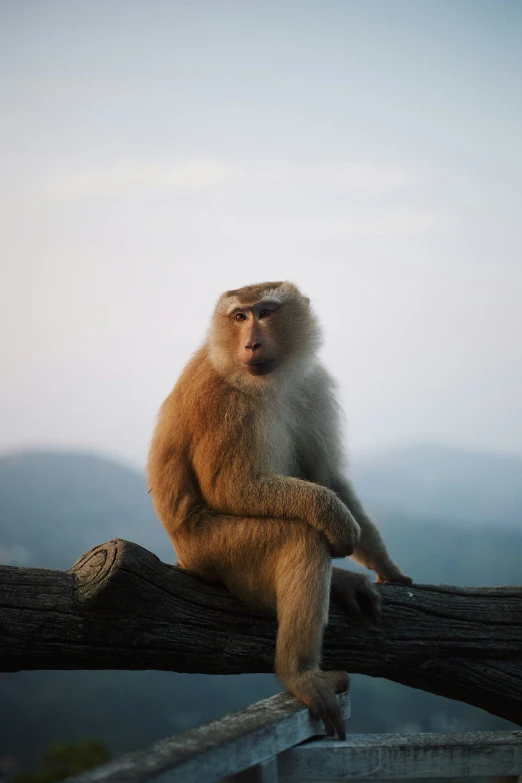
pixel 261 333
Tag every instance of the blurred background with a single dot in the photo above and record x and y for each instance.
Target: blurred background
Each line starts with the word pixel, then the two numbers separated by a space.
pixel 154 154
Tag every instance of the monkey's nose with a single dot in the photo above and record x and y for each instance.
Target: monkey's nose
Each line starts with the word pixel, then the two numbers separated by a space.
pixel 253 345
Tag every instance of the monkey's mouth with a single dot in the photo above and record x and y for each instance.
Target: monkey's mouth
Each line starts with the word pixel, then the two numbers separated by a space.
pixel 260 366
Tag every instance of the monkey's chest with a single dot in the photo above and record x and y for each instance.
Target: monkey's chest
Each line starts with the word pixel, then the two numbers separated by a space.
pixel 283 449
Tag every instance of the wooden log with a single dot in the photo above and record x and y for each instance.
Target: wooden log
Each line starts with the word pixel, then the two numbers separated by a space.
pixel 121 608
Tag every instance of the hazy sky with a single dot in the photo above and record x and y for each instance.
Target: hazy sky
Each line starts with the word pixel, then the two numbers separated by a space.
pixel 155 153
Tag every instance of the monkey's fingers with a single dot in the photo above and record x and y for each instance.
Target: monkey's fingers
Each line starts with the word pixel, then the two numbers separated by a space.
pixel 396 579
pixel 369 594
pixel 321 711
pixel 358 595
pixel 351 604
pixel 331 684
pixel 335 717
pixel 326 708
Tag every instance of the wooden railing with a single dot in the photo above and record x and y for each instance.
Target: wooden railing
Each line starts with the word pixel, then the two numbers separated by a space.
pixel 276 741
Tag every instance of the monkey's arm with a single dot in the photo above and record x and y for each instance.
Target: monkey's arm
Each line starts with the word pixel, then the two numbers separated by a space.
pixel 241 492
pixel 371 550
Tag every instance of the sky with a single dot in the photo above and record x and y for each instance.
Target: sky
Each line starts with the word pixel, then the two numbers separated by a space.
pixel 154 154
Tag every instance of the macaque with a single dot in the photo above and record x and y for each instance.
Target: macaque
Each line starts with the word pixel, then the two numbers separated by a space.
pixel 246 472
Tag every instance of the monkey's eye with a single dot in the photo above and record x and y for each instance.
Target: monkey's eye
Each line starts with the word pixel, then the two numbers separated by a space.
pixel 240 317
pixel 265 313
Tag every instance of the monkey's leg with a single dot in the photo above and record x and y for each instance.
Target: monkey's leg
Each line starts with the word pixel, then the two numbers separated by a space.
pixel 284 568
pixel 302 584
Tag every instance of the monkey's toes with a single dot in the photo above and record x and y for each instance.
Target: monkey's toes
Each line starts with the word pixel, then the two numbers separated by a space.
pixel 317 690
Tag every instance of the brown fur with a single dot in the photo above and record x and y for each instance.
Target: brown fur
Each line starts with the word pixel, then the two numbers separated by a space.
pixel 246 472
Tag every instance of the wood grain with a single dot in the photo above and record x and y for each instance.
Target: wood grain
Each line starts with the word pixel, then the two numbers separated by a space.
pixel 120 607
pixel 403 756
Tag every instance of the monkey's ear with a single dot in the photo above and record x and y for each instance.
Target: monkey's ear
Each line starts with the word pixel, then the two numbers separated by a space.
pixel 307 300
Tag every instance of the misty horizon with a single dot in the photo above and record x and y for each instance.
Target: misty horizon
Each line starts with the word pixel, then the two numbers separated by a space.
pixel 361 457
pixel 153 156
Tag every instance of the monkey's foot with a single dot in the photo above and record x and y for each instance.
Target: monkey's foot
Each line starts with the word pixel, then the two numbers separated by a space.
pixel 317 690
pixel 394 579
pixel 357 594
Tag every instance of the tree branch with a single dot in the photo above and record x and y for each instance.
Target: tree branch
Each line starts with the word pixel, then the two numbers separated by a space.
pixel 120 607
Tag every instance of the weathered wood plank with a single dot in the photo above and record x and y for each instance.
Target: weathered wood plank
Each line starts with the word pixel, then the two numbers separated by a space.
pixel 219 749
pixel 266 772
pixel 389 756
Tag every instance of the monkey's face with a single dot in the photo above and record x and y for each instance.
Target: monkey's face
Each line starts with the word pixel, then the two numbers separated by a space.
pixel 256 338
pixel 263 330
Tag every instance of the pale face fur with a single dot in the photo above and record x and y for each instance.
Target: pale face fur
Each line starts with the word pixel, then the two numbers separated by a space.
pixel 263 335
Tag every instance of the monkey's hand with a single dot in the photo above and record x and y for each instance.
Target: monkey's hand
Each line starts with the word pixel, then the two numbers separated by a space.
pixel 395 578
pixel 357 594
pixel 338 524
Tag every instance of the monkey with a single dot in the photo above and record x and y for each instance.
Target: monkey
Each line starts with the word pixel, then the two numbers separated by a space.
pixel 247 474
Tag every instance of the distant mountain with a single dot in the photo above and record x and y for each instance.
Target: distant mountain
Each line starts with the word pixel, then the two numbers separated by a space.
pixel 56 506
pixel 445 483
